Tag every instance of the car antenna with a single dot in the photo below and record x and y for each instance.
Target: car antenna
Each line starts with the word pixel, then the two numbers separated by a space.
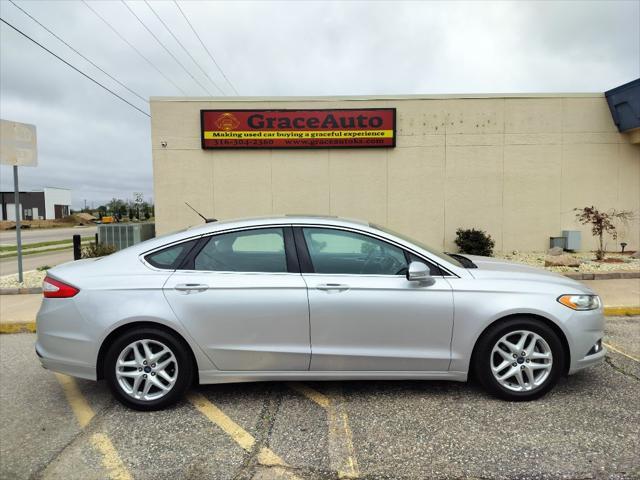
pixel 206 220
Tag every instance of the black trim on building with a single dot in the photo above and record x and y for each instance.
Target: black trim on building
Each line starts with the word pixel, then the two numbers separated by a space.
pixel 624 103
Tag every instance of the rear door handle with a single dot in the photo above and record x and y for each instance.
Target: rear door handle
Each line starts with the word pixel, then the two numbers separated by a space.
pixel 333 287
pixel 191 287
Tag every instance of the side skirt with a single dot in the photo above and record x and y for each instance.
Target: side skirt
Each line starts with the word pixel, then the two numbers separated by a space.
pixel 216 376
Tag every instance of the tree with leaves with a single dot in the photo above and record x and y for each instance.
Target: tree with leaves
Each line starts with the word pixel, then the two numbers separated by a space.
pixel 602 223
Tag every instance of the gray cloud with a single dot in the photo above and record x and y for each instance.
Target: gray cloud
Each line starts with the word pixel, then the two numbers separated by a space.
pixel 98 146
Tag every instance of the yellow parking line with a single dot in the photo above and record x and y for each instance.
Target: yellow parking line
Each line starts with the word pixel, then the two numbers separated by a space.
pixel 617 350
pixel 320 398
pixel 110 458
pixel 341 450
pixel 243 438
pixel 84 413
pixel 81 408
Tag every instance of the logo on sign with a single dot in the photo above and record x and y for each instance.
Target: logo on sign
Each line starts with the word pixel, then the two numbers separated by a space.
pixel 227 121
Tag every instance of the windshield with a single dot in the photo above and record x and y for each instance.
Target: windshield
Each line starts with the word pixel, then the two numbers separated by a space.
pixel 429 249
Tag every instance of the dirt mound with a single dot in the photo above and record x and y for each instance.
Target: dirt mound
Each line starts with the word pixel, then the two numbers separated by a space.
pixel 70 221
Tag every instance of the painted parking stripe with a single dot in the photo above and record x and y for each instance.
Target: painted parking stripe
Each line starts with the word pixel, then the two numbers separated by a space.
pixel 617 350
pixel 84 413
pixel 81 408
pixel 341 452
pixel 110 458
pixel 243 438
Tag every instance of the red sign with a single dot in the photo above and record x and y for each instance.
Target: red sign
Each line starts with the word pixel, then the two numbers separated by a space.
pixel 343 128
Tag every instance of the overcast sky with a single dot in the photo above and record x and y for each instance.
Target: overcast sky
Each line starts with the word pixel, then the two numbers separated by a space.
pixel 98 146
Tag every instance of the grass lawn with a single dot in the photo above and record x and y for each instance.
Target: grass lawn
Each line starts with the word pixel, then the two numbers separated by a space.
pixel 8 250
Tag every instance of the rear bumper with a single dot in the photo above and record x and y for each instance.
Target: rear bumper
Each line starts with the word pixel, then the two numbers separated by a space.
pixel 65 366
pixel 65 342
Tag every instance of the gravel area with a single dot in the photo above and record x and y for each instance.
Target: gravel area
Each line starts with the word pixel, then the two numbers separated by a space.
pixel 589 265
pixel 32 279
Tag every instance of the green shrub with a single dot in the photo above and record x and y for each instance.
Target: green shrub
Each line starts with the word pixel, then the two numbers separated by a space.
pixel 474 242
pixel 97 250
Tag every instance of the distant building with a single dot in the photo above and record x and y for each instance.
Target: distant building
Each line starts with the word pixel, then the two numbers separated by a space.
pixel 46 204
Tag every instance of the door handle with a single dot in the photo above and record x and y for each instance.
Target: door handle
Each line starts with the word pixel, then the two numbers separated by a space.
pixel 191 287
pixel 333 287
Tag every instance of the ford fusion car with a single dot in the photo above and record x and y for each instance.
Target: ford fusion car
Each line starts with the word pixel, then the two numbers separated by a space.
pixel 310 298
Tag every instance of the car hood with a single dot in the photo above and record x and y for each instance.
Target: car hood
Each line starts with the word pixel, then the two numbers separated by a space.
pixel 489 267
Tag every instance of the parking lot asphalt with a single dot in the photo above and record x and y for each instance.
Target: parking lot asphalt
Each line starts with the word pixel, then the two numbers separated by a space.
pixel 588 427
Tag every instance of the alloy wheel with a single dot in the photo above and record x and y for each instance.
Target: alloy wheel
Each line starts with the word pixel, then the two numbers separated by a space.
pixel 521 361
pixel 146 370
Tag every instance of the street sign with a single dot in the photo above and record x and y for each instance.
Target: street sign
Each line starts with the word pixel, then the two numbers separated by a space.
pixel 18 145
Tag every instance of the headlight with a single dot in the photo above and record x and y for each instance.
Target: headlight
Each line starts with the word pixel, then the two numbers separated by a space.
pixel 580 302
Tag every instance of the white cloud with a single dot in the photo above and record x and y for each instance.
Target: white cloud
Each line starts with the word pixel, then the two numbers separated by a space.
pixel 98 146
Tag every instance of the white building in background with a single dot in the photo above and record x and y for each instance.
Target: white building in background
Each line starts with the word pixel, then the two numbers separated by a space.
pixel 46 204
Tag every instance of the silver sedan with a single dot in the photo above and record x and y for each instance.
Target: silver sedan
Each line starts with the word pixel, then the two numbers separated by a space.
pixel 310 298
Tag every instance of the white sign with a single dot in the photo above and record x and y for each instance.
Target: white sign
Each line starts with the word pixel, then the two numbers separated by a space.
pixel 18 144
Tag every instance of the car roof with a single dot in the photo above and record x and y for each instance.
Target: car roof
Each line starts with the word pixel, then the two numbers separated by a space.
pixel 276 220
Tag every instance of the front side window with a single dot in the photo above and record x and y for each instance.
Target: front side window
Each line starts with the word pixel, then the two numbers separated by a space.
pixel 343 252
pixel 260 250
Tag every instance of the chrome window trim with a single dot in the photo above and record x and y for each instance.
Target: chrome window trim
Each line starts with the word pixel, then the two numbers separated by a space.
pixel 379 238
pixel 448 274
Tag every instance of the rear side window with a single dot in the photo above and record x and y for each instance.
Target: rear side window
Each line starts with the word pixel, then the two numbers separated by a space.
pixel 260 250
pixel 170 258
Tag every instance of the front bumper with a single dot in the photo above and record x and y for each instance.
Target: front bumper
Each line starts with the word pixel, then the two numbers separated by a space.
pixel 584 330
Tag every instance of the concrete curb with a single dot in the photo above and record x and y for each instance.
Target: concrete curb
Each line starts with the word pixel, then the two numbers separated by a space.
pixel 20 291
pixel 30 327
pixel 603 276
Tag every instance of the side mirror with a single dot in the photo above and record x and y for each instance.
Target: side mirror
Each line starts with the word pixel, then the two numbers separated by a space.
pixel 419 272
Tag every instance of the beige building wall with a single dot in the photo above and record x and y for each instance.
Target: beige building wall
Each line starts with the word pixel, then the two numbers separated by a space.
pixel 515 166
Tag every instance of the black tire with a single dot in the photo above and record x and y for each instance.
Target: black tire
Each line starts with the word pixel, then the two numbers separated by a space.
pixel 183 359
pixel 481 361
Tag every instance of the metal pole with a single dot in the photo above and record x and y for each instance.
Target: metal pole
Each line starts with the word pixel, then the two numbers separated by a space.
pixel 16 199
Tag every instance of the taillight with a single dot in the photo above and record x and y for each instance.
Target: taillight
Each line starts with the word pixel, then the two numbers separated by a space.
pixel 52 288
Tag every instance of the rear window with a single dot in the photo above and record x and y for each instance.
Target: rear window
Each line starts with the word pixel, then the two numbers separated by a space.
pixel 170 258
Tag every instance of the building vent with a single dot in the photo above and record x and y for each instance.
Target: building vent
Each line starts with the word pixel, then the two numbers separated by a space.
pixel 573 239
pixel 123 235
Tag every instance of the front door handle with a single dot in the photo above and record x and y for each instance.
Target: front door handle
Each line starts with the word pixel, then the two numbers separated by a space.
pixel 333 287
pixel 191 287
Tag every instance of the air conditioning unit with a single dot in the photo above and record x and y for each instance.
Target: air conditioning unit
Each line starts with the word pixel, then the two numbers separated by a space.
pixel 123 235
pixel 573 239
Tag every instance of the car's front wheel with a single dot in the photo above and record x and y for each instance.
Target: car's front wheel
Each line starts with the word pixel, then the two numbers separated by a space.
pixel 148 368
pixel 519 359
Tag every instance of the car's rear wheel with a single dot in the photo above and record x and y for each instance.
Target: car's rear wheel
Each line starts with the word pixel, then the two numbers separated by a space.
pixel 148 368
pixel 519 359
